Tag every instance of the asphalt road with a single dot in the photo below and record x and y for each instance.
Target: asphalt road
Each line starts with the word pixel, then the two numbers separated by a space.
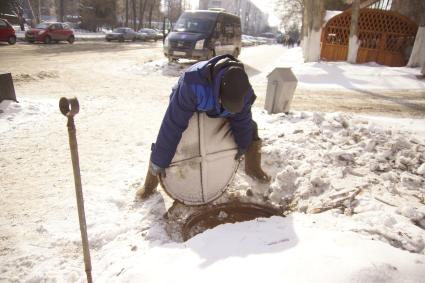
pixel 93 66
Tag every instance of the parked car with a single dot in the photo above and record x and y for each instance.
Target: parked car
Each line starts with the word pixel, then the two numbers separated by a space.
pixel 121 34
pixel 7 32
pixel 269 37
pixel 142 36
pixel 159 33
pixel 151 34
pixel 254 40
pixel 261 40
pixel 246 41
pixel 50 32
pixel 204 34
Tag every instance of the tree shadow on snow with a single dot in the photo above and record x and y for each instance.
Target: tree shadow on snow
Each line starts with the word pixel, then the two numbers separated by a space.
pixel 333 75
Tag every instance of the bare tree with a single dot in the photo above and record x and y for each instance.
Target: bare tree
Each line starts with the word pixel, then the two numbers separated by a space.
pixel 413 9
pixel 142 8
pixel 97 13
pixel 291 13
pixel 353 43
pixel 314 11
pixel 60 7
pixel 153 2
pixel 133 5
pixel 15 7
pixel 126 13
pixel 33 19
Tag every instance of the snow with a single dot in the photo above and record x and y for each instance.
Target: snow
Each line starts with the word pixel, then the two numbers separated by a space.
pixel 342 75
pixel 271 250
pixel 353 189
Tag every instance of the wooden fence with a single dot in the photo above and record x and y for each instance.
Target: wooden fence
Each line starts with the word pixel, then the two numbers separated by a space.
pixel 385 37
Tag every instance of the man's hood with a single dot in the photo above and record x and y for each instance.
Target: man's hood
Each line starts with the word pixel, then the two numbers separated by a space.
pixel 209 69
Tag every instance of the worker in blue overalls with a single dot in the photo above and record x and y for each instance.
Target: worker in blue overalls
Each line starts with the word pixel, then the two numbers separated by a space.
pixel 219 87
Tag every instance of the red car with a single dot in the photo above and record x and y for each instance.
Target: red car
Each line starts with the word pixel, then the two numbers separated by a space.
pixel 50 32
pixel 7 33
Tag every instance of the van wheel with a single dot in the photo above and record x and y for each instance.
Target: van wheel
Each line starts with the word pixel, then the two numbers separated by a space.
pixel 11 40
pixel 47 40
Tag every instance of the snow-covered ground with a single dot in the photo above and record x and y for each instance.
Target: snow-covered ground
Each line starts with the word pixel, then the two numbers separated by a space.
pixel 353 187
pixel 345 76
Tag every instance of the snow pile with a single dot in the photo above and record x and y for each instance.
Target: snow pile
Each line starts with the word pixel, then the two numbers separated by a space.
pixel 298 248
pixel 13 114
pixel 338 205
pixel 24 77
pixel 347 165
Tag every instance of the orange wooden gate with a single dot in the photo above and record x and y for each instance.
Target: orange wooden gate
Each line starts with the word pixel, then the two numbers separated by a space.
pixel 385 37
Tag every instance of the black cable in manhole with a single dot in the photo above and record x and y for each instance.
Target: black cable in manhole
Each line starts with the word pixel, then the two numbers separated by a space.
pixel 212 216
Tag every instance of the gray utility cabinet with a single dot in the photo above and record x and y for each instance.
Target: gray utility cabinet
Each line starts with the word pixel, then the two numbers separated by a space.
pixel 280 90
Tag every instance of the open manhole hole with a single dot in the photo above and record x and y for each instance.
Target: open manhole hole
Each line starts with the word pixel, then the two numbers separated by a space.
pixel 196 220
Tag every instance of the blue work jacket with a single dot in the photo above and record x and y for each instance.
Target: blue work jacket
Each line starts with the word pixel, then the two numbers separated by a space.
pixel 197 91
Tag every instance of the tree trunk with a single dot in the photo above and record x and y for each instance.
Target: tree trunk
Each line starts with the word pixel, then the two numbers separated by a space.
pixel 21 18
pixel 61 10
pixel 142 8
pixel 413 9
pixel 33 20
pixel 126 13
pixel 39 11
pixel 133 3
pixel 314 12
pixel 179 8
pixel 417 58
pixel 150 12
pixel 304 28
pixel 353 42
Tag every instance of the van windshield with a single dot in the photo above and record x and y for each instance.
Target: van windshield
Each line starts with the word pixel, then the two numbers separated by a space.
pixel 196 22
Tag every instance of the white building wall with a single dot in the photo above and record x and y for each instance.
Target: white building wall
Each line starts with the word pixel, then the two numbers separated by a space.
pixel 253 20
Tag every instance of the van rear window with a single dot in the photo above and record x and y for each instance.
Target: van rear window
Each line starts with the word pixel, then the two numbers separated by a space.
pixel 196 22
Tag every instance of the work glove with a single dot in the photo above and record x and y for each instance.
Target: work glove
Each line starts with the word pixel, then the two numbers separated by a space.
pixel 240 153
pixel 156 170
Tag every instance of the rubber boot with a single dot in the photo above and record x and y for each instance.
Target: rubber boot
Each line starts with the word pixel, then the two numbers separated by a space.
pixel 253 162
pixel 151 182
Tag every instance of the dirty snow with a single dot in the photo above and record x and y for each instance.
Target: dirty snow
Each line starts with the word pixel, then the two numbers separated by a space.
pixel 353 187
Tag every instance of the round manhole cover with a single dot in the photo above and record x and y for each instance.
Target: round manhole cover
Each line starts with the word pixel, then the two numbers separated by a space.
pixel 204 163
